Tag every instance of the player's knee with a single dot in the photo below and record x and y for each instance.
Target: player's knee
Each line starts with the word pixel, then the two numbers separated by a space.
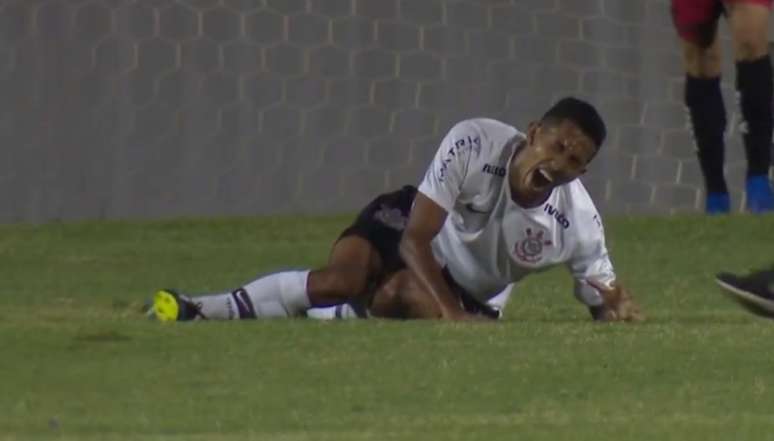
pixel 400 297
pixel 750 49
pixel 390 292
pixel 702 62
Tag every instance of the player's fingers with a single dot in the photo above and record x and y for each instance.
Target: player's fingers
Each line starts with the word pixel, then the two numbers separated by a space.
pixel 599 286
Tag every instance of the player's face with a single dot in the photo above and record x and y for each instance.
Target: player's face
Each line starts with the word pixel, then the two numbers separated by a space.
pixel 554 155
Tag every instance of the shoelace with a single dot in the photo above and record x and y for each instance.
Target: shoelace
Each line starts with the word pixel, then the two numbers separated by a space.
pixel 197 307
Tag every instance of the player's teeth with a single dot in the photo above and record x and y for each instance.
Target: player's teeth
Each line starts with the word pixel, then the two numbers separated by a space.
pixel 546 175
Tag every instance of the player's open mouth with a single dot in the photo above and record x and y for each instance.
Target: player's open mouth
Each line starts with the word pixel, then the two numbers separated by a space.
pixel 540 179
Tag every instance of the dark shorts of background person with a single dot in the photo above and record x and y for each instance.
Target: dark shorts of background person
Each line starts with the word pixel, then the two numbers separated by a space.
pixel 382 222
pixel 696 20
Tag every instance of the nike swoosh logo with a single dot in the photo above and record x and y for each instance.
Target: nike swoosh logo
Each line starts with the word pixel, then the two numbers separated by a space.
pixel 472 208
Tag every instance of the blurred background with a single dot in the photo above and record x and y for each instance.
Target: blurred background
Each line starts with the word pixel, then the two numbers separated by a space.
pixel 114 109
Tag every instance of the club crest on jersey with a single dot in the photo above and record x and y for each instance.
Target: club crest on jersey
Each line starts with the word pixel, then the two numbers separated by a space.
pixel 391 217
pixel 530 249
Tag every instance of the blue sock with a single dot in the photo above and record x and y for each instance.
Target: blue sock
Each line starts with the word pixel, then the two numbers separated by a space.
pixel 717 203
pixel 759 195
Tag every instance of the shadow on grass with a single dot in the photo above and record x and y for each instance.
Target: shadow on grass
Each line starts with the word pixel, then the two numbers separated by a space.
pixel 697 319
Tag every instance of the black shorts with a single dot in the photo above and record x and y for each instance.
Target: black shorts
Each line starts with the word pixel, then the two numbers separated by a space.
pixel 382 222
pixel 696 20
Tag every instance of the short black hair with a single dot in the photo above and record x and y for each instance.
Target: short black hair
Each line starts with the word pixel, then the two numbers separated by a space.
pixel 581 113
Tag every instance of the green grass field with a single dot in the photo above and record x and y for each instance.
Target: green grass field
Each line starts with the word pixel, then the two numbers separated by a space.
pixel 78 361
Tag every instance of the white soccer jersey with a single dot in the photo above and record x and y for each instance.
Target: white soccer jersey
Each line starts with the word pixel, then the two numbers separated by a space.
pixel 488 241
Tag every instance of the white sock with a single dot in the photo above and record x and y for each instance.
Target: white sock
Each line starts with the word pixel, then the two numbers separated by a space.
pixel 501 299
pixel 338 312
pixel 275 295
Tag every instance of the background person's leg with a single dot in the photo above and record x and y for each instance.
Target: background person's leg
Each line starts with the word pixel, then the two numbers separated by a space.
pixel 708 119
pixel 696 23
pixel 749 21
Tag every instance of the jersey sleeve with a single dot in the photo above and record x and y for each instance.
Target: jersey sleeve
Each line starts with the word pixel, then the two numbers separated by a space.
pixel 444 179
pixel 591 261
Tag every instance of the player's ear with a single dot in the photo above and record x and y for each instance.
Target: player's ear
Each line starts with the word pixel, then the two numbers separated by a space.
pixel 532 129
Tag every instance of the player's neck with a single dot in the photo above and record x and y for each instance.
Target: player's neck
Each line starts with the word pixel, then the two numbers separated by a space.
pixel 529 201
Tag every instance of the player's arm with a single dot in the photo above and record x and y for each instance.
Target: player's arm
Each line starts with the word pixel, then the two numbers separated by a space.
pixel 425 222
pixel 596 284
pixel 607 298
pixel 438 192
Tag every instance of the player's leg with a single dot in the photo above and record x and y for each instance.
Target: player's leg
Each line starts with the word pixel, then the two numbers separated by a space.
pixel 397 297
pixel 401 297
pixel 385 302
pixel 364 250
pixel 749 22
pixel 381 223
pixel 696 23
pixel 282 294
pixel 352 264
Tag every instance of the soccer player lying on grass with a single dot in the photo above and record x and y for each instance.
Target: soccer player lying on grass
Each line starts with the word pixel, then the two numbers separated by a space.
pixel 495 205
pixel 363 258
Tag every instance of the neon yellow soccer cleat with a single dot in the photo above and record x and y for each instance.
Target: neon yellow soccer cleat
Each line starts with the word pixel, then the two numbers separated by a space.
pixel 169 306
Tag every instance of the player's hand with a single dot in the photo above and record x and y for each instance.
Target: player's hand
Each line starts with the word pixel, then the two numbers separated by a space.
pixel 618 302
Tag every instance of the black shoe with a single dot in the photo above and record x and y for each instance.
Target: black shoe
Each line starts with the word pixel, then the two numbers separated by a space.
pixel 755 292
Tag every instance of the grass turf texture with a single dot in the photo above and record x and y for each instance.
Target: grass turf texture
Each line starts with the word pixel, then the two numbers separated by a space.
pixel 79 362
